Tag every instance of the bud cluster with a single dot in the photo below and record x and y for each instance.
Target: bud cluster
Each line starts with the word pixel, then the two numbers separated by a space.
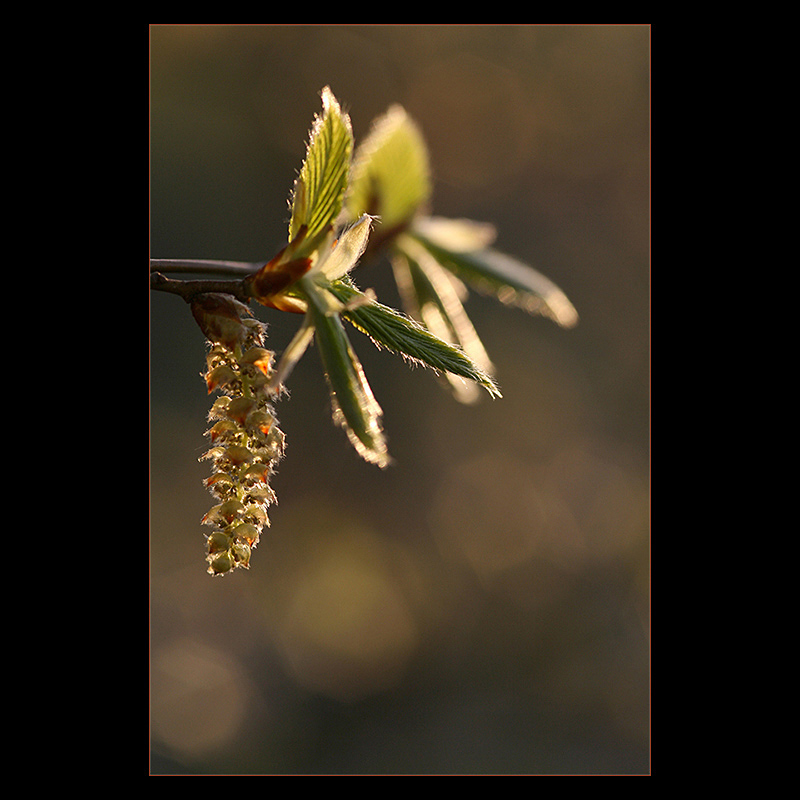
pixel 246 441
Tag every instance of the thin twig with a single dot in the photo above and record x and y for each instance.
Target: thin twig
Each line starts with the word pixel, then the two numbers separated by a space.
pixel 202 266
pixel 190 289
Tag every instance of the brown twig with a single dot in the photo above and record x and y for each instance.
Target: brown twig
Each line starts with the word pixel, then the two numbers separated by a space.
pixel 189 289
pixel 203 266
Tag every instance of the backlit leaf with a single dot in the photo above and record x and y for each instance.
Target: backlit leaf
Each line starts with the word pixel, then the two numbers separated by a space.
pixel 433 296
pixel 400 334
pixel 490 271
pixel 391 172
pixel 354 406
pixel 320 187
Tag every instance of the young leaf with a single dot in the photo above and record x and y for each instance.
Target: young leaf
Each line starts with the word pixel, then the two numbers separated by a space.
pixel 320 187
pixel 354 405
pixel 433 296
pixel 398 333
pixel 391 172
pixel 457 235
pixel 293 353
pixel 344 253
pixel 490 271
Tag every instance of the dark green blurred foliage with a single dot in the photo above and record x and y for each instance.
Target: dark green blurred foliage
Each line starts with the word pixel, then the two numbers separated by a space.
pixel 482 606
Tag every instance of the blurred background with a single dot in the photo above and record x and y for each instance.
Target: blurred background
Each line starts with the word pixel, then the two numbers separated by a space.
pixel 482 606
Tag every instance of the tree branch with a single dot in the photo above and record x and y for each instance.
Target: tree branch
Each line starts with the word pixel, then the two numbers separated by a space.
pixel 203 266
pixel 190 289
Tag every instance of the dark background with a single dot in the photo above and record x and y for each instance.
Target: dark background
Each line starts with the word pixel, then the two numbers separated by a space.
pixel 482 606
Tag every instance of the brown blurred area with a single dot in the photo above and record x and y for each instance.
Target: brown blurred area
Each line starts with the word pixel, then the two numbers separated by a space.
pixel 482 606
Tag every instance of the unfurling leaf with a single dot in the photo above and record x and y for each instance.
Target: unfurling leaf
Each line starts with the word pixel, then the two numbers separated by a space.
pixel 271 284
pixel 391 173
pixel 491 271
pixel 293 353
pixel 354 406
pixel 320 187
pixel 433 296
pixel 345 251
pixel 400 334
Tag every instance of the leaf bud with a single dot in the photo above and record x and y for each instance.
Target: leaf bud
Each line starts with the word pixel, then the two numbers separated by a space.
pixel 220 317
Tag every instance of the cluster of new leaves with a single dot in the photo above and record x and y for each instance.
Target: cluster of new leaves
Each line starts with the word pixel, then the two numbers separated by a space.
pixel 434 259
pixel 350 204
pixel 347 205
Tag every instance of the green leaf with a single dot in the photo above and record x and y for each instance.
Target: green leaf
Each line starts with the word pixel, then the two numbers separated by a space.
pixel 293 353
pixel 433 296
pixel 320 187
pixel 493 272
pixel 354 406
pixel 346 251
pixel 400 334
pixel 391 171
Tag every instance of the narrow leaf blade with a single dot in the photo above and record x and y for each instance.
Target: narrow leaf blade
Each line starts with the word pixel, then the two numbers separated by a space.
pixel 292 354
pixel 354 406
pixel 432 295
pixel 347 250
pixel 396 332
pixel 490 271
pixel 320 187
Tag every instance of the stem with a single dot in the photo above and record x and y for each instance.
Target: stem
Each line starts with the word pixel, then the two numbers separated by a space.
pixel 189 289
pixel 203 266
